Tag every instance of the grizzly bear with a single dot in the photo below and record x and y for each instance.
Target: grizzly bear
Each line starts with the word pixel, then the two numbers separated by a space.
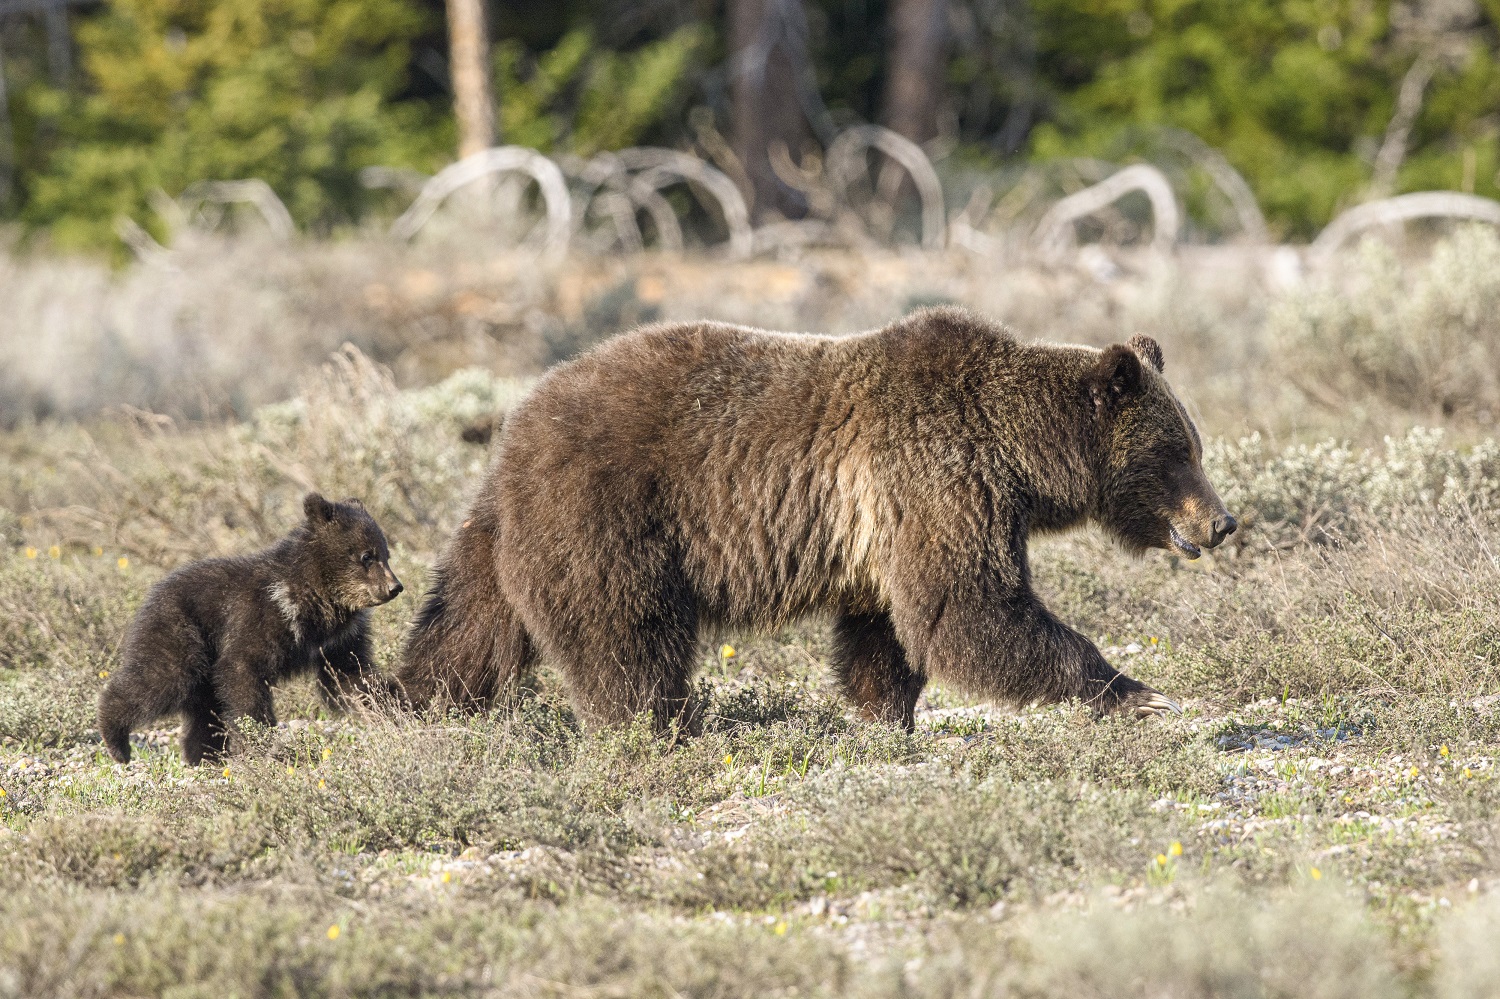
pixel 698 474
pixel 214 635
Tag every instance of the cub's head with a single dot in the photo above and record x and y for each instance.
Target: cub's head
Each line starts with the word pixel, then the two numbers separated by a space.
pixel 349 553
pixel 1152 490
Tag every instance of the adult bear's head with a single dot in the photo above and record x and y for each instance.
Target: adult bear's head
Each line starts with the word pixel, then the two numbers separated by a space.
pixel 1152 490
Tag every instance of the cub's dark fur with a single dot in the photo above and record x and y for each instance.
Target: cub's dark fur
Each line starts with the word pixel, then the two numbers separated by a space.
pixel 213 636
pixel 683 475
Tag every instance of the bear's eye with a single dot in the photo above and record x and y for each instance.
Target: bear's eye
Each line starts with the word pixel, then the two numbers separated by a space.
pixel 367 559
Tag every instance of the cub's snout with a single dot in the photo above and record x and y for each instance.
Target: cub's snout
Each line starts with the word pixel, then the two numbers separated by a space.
pixel 388 588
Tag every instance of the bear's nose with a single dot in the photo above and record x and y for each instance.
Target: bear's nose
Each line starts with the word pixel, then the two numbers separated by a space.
pixel 1224 526
pixel 395 590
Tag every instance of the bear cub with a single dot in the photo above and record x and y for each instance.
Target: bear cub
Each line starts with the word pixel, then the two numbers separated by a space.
pixel 214 635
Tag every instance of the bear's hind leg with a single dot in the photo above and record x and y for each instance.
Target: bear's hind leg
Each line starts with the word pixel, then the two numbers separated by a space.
pixel 872 669
pixel 117 716
pixel 467 646
pixel 136 696
pixel 203 734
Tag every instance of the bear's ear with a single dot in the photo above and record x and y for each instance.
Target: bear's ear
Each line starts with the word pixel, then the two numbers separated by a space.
pixel 318 509
pixel 1148 350
pixel 354 502
pixel 1115 378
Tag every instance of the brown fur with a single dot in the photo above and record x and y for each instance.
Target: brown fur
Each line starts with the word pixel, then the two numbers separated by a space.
pixel 683 475
pixel 215 635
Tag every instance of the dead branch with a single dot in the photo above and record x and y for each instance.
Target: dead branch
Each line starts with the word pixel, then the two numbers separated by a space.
pixel 846 163
pixel 502 159
pixel 1226 178
pixel 621 197
pixel 254 192
pixel 1054 234
pixel 659 168
pixel 1408 106
pixel 146 249
pixel 1403 208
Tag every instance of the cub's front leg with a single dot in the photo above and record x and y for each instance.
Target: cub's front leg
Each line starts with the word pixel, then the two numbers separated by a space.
pixel 346 670
pixel 242 687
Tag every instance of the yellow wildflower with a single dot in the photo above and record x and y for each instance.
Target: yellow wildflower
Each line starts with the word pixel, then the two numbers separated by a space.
pixel 780 928
pixel 321 785
pixel 1175 850
pixel 1317 875
pixel 327 753
pixel 54 552
pixel 226 771
pixel 1161 860
pixel 119 939
pixel 291 771
pixel 98 550
pixel 334 931
pixel 727 651
pixel 1415 772
pixel 104 674
pixel 1468 772
pixel 1443 752
pixel 729 760
pixel 31 553
pixel 123 562
pixel 447 876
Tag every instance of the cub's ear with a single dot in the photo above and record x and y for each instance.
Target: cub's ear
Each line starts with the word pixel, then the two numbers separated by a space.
pixel 317 509
pixel 1115 378
pixel 1147 349
pixel 354 502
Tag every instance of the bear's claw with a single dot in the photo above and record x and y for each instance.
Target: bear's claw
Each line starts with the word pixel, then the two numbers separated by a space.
pixel 1155 703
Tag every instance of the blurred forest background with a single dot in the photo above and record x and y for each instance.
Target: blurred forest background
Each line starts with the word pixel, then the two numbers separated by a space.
pixel 1319 104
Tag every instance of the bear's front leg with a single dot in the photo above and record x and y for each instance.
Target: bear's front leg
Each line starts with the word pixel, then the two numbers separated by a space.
pixel 345 668
pixel 973 619
pixel 243 690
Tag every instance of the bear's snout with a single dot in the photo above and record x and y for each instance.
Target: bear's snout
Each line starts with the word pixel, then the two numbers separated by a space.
pixel 1198 533
pixel 393 586
pixel 1223 527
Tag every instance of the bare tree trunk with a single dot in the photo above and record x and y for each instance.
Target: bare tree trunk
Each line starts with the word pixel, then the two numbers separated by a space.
pixel 766 101
pixel 914 82
pixel 469 68
pixel 59 47
pixel 7 141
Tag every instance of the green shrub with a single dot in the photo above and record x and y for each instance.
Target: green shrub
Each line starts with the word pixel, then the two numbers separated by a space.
pixel 1323 491
pixel 1424 339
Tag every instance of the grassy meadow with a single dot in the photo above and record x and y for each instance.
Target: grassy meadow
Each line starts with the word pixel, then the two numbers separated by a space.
pixel 1323 820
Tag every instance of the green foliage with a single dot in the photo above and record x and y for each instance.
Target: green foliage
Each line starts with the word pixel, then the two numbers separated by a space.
pixel 295 92
pixel 581 97
pixel 1296 95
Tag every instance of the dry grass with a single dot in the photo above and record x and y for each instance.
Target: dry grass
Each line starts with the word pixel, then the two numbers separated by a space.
pixel 1321 822
pixel 228 327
